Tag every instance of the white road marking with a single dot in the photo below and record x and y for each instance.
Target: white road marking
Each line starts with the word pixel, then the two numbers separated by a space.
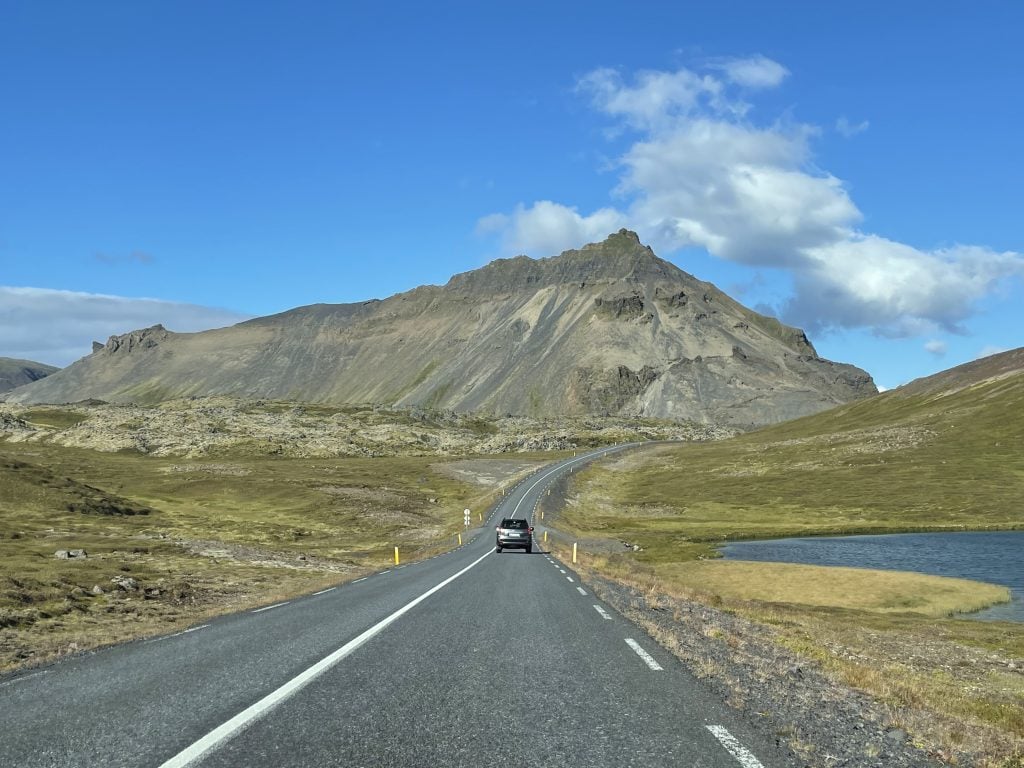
pixel 570 579
pixel 603 612
pixel 362 579
pixel 559 468
pixel 268 702
pixel 177 634
pixel 270 607
pixel 561 570
pixel 743 756
pixel 23 677
pixel 648 659
pixel 324 591
pixel 581 590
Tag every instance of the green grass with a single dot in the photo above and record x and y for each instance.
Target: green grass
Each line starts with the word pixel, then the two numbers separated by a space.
pixel 55 418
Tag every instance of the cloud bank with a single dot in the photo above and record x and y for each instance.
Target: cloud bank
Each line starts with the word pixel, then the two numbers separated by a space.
pixel 700 173
pixel 58 327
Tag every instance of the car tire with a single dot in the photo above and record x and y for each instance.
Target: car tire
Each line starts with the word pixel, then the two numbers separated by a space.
pixel 529 550
pixel 497 550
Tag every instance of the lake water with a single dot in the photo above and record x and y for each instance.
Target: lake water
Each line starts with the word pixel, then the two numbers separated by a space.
pixel 996 557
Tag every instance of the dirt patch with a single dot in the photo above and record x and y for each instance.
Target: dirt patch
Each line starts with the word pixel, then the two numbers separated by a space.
pixel 488 473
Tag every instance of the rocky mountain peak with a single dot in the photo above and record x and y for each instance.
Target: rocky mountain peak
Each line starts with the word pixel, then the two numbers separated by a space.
pixel 621 256
pixel 144 338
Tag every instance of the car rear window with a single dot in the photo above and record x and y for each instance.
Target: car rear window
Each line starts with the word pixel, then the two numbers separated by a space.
pixel 520 524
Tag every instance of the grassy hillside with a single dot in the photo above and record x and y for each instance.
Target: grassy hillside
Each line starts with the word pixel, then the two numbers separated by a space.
pixel 896 462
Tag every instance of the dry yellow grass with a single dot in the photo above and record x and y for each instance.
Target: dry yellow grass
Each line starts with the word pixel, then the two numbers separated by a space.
pixel 854 588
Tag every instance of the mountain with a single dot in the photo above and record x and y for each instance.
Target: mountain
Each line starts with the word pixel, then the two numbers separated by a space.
pixel 606 329
pixel 14 373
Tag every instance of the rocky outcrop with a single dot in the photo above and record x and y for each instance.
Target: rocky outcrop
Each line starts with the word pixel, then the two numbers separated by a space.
pixel 606 329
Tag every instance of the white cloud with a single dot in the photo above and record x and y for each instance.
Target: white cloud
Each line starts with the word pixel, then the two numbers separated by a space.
pixel 700 173
pixel 58 327
pixel 848 129
pixel 548 228
pixel 936 347
pixel 753 72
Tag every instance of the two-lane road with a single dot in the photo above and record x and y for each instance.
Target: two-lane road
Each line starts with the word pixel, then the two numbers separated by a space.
pixel 468 659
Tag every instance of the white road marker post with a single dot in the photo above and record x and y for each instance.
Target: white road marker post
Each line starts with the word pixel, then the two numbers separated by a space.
pixel 574 553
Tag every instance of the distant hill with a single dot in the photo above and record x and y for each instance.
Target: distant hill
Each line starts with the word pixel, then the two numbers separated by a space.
pixel 607 329
pixel 15 373
pixel 943 453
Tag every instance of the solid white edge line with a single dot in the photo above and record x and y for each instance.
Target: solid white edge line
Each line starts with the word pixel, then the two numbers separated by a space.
pixel 325 591
pixel 268 607
pixel 603 612
pixel 743 756
pixel 648 659
pixel 268 702
pixel 23 677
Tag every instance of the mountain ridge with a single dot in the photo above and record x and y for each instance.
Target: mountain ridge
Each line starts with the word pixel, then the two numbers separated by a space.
pixel 609 328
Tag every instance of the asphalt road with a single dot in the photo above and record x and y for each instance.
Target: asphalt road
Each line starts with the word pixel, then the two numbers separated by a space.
pixel 472 658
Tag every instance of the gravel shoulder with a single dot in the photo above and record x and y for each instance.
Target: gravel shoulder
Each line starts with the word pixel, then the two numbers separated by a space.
pixel 818 722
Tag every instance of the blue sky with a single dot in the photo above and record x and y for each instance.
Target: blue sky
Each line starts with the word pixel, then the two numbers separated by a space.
pixel 856 170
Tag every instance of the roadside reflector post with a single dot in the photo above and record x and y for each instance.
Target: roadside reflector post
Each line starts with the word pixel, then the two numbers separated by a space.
pixel 396 556
pixel 481 516
pixel 460 539
pixel 574 552
pixel 545 537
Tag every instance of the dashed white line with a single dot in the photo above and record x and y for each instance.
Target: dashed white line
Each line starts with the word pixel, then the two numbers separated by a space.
pixel 561 570
pixel 223 732
pixel 743 756
pixel 648 659
pixel 581 590
pixel 270 607
pixel 570 579
pixel 603 612
pixel 362 579
pixel 325 591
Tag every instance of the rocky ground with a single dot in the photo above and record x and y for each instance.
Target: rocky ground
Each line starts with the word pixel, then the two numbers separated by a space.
pixel 813 720
pixel 192 428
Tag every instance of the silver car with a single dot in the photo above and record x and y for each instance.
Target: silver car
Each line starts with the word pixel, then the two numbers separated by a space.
pixel 514 534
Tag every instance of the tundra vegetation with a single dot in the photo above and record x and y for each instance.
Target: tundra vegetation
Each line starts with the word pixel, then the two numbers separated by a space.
pixel 202 506
pixel 915 460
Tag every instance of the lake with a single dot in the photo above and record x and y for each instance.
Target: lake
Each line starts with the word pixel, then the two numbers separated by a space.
pixel 993 556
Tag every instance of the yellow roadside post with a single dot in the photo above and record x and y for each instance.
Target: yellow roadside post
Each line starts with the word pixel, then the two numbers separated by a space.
pixel 574 552
pixel 396 555
pixel 545 537
pixel 460 539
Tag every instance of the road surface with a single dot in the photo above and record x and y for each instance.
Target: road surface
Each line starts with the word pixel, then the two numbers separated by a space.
pixel 471 658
